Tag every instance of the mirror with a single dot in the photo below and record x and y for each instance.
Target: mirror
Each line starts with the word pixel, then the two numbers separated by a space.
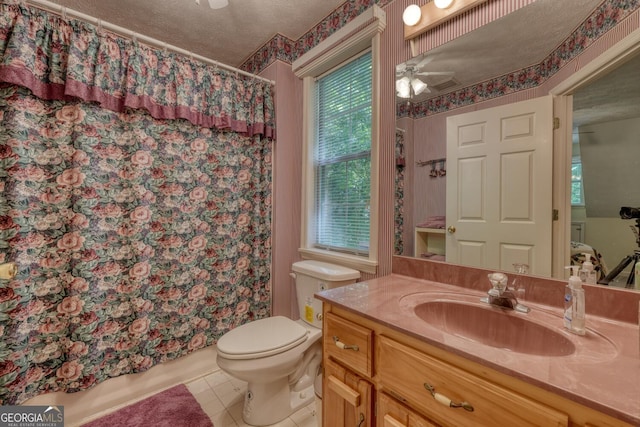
pixel 606 122
pixel 605 167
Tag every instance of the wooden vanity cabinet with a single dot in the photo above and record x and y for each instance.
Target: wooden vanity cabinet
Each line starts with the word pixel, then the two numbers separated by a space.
pixel 378 377
pixel 347 398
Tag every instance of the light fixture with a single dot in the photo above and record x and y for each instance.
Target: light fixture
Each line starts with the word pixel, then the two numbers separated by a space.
pixel 442 4
pixel 411 15
pixel 418 86
pixel 435 12
pixel 216 4
pixel 403 88
pixel 405 85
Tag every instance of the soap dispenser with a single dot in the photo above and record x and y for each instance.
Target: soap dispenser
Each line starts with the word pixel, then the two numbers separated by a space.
pixel 587 272
pixel 574 309
pixel 568 296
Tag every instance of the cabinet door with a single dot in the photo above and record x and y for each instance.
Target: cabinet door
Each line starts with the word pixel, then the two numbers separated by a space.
pixel 392 413
pixel 346 398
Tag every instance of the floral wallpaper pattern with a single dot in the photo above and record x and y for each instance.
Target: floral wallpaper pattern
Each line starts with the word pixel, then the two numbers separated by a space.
pixel 605 17
pixel 284 49
pixel 138 239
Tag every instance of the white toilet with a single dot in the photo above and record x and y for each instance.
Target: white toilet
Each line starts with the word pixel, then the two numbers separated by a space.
pixel 279 358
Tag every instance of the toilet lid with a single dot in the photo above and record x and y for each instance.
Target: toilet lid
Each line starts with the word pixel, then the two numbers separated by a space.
pixel 261 338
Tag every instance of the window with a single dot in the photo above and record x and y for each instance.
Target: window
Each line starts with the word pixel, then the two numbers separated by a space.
pixel 340 148
pixel 342 158
pixel 577 191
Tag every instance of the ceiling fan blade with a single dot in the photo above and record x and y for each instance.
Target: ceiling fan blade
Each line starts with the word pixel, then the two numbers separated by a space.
pixel 424 62
pixel 435 73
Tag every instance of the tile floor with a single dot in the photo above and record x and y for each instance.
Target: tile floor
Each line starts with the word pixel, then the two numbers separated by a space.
pixel 222 397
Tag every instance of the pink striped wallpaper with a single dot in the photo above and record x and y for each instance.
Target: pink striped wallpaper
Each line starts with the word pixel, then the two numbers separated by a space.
pixel 468 21
pixel 287 187
pixel 287 172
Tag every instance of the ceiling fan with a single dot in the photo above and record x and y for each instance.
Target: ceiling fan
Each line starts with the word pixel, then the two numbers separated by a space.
pixel 409 78
pixel 215 4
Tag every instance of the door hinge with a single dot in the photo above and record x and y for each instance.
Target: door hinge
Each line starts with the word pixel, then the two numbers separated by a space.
pixel 556 122
pixel 555 215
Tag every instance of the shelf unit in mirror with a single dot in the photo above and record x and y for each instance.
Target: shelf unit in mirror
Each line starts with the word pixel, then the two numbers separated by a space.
pixel 429 243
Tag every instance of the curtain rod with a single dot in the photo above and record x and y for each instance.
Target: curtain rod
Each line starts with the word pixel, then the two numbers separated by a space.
pixel 65 11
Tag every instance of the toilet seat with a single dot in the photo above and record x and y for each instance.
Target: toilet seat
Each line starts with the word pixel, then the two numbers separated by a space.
pixel 262 338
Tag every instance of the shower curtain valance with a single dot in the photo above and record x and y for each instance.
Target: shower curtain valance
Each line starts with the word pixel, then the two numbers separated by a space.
pixel 62 59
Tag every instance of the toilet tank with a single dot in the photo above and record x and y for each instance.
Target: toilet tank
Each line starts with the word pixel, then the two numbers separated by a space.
pixel 314 276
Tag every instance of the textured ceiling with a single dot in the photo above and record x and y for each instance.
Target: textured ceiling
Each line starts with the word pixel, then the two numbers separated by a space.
pixel 525 38
pixel 614 96
pixel 229 35
pixel 513 42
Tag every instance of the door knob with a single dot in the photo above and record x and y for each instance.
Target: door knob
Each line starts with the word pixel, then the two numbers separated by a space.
pixel 451 229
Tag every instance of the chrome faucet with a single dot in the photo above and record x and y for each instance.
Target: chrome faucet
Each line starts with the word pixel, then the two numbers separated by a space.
pixel 501 296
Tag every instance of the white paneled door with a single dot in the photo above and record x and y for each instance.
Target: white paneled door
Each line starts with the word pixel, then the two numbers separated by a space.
pixel 499 186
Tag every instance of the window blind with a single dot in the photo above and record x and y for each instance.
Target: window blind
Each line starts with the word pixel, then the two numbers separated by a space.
pixel 342 157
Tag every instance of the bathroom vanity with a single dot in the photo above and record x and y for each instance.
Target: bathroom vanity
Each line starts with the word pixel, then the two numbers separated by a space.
pixel 401 351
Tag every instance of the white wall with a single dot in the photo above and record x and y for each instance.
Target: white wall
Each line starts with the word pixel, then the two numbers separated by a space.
pixel 612 237
pixel 610 154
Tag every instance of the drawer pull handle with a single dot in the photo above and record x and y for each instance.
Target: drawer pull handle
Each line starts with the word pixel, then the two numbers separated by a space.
pixel 361 420
pixel 343 346
pixel 441 398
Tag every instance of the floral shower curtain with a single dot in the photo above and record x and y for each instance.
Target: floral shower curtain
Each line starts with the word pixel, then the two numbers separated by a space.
pixel 135 190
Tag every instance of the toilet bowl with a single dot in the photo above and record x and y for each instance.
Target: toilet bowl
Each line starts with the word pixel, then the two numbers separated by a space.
pixel 277 383
pixel 280 358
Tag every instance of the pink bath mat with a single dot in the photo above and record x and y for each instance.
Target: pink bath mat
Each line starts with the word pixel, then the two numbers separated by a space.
pixel 174 407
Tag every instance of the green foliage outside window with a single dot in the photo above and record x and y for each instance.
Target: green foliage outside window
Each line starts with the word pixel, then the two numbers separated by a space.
pixel 343 157
pixel 577 193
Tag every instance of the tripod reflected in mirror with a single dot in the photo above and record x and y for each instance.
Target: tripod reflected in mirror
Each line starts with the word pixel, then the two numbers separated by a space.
pixel 633 281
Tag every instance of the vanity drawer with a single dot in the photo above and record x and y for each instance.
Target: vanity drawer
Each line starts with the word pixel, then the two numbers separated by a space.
pixel 348 343
pixel 408 372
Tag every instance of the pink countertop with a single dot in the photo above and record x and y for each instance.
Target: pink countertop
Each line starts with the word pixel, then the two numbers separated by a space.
pixel 603 373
